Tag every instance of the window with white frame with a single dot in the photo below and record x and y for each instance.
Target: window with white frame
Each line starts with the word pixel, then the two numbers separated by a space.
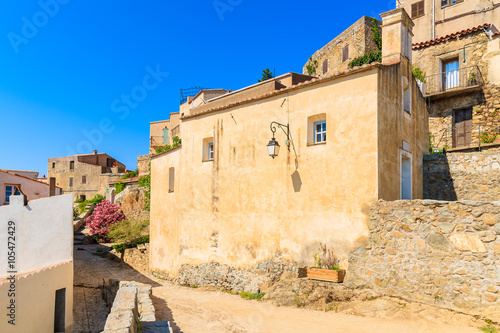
pixel 210 151
pixel 320 131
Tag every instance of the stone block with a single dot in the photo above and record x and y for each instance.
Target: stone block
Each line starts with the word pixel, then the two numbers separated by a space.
pixel 438 242
pixel 446 228
pixel 490 219
pixel 467 242
pixel 123 319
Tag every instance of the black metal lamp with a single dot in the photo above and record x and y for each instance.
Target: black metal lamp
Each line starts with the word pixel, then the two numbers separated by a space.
pixel 273 147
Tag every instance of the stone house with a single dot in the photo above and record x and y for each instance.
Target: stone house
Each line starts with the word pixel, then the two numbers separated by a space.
pixel 36 280
pixel 335 56
pixel 347 139
pixel 438 18
pixel 13 180
pixel 85 175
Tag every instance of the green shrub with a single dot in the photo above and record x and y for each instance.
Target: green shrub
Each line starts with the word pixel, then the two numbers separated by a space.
pixel 131 174
pixel 368 58
pixel 145 181
pixel 176 142
pixel 417 73
pixel 78 200
pixel 250 296
pixel 128 230
pixel 119 187
pixel 122 247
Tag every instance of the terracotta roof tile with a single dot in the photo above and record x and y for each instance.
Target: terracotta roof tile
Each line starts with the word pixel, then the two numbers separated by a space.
pixel 275 92
pixel 450 36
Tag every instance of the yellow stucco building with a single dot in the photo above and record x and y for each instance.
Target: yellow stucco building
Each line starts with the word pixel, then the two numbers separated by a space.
pixel 354 137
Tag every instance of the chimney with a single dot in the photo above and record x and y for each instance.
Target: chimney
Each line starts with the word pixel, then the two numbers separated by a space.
pixel 95 156
pixel 396 36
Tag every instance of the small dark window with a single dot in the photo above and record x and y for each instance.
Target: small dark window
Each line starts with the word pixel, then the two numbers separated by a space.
pixel 417 9
pixel 444 3
pixel 72 165
pixel 345 53
pixel 109 162
pixel 60 311
pixel 84 179
pixel 325 66
pixel 70 181
pixel 83 197
pixel 53 165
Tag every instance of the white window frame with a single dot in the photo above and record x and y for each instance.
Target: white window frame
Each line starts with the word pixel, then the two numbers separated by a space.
pixel 405 154
pixel 210 151
pixel 321 132
pixel 13 190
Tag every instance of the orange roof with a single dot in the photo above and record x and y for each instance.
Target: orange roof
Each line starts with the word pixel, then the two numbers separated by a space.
pixel 450 36
pixel 348 71
pixel 128 180
pixel 32 179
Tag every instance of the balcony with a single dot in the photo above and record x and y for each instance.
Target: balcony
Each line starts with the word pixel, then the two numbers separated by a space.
pixel 453 82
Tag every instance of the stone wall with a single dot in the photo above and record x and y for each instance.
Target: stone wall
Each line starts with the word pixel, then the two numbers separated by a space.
pixel 251 279
pixel 143 164
pixel 437 252
pixel 462 176
pixel 132 202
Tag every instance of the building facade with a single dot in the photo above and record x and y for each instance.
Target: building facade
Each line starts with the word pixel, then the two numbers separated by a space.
pixel 438 18
pixel 353 137
pixel 36 280
pixel 335 56
pixel 13 180
pixel 85 175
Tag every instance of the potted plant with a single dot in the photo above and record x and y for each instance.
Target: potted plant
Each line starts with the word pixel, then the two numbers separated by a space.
pixel 472 81
pixel 326 267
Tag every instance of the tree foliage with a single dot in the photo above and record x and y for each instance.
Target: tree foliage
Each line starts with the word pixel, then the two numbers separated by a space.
pixel 266 75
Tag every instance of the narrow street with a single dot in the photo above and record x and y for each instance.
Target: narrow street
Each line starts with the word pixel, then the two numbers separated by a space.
pixel 196 311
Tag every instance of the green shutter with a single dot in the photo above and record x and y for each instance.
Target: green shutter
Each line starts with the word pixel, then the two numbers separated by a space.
pixel 165 136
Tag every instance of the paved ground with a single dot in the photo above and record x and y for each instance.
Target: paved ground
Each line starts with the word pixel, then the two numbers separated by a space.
pixel 197 311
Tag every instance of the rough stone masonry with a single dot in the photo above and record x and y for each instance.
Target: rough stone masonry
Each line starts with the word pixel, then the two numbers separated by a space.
pixel 437 252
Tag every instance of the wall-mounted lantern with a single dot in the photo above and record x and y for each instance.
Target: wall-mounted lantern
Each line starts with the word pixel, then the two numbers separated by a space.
pixel 273 147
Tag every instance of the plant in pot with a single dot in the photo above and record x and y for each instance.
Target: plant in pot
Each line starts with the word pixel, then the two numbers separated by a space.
pixel 472 81
pixel 326 267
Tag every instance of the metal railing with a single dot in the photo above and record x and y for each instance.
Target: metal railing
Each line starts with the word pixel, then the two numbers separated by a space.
pixel 466 136
pixel 458 79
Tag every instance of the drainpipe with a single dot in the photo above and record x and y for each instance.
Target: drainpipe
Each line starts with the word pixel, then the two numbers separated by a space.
pixel 433 19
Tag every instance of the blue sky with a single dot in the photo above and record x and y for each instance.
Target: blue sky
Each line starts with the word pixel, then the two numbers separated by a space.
pixel 67 66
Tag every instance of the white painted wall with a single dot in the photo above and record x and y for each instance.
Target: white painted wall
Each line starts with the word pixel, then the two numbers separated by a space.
pixel 44 232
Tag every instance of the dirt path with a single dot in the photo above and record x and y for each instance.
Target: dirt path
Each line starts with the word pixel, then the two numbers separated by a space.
pixel 196 311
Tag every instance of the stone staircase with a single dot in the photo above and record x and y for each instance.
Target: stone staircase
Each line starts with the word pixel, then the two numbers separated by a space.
pixel 78 237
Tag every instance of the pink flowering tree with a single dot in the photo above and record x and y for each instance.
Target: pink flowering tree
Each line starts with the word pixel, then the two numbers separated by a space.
pixel 104 215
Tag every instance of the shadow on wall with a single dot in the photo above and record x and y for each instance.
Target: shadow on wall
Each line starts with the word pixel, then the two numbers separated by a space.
pixel 438 182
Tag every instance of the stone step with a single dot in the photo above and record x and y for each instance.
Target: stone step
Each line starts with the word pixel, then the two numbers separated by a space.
pixel 156 327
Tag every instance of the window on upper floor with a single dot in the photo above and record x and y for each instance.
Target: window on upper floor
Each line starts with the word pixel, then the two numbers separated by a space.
pixel 406 95
pixel 316 129
pixel 11 190
pixel 53 165
pixel 208 150
pixel 417 9
pixel 325 66
pixel 446 3
pixel 345 53
pixel 171 180
pixel 84 179
pixel 71 165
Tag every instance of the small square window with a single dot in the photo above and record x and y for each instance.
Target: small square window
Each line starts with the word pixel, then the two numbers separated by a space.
pixel 208 152
pixel 320 131
pixel 84 179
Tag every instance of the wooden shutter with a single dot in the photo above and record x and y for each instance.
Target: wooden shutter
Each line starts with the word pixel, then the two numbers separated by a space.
pixel 345 53
pixel 325 66
pixel 417 9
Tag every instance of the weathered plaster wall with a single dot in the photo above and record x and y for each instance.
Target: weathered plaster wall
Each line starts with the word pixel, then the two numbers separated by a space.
pixel 396 125
pixel 245 207
pixel 35 299
pixel 437 252
pixel 44 261
pixel 31 188
pixel 462 176
pixel 156 134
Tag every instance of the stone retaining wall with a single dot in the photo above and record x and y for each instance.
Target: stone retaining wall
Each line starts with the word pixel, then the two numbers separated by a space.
pixel 437 252
pixel 462 176
pixel 137 259
pixel 224 277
